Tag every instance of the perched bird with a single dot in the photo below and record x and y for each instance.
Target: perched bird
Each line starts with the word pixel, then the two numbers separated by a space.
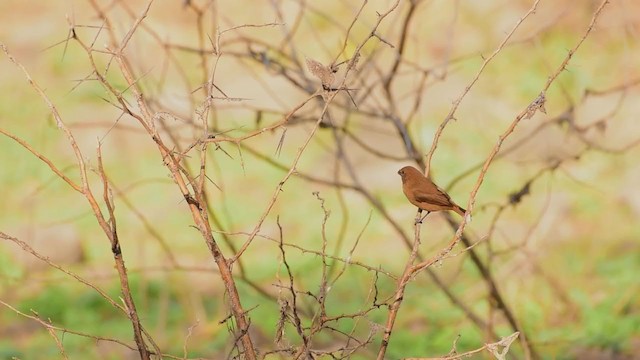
pixel 426 195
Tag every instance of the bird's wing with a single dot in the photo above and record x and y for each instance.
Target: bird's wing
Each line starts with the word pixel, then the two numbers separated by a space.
pixel 438 198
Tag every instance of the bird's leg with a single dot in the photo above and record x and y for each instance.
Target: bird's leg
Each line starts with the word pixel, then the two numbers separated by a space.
pixel 420 218
pixel 424 217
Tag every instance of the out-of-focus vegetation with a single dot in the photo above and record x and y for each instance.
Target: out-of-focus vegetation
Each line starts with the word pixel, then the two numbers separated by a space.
pixel 565 258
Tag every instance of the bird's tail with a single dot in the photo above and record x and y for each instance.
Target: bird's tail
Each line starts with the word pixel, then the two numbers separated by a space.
pixel 462 212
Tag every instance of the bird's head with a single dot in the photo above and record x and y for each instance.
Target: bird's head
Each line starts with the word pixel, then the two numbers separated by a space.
pixel 407 171
pixel 401 173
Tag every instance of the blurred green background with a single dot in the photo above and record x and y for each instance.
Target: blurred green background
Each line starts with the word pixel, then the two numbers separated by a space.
pixel 566 258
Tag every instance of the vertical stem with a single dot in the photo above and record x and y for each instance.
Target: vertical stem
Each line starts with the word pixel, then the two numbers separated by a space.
pixel 400 288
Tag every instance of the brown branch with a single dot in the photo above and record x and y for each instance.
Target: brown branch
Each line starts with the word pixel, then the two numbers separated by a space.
pixel 196 206
pixel 498 349
pixel 107 229
pixel 458 100
pixel 44 159
pixel 537 104
pixel 400 289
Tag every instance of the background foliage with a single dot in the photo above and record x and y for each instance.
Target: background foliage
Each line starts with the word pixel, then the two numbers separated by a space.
pixel 554 219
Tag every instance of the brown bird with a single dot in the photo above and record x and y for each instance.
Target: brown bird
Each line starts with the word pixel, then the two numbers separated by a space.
pixel 426 195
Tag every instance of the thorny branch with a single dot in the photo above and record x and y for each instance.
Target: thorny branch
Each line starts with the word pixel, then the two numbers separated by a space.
pixel 358 96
